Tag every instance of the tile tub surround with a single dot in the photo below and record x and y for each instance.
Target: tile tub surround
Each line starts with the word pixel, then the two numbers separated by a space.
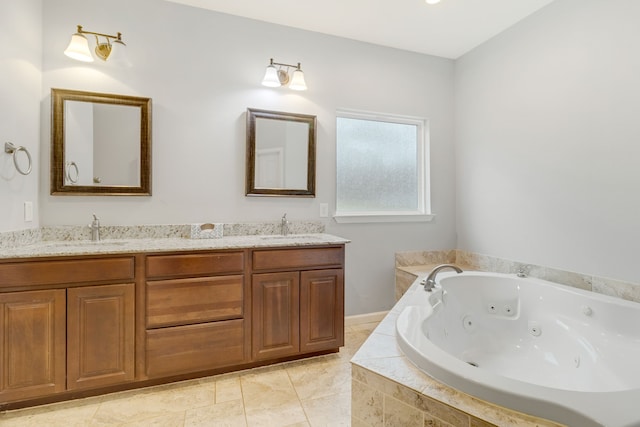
pixel 413 264
pixel 388 390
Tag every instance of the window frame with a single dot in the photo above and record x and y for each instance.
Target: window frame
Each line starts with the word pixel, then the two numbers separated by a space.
pixel 423 212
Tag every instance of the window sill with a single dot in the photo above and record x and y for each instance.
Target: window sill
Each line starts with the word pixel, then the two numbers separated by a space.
pixel 353 218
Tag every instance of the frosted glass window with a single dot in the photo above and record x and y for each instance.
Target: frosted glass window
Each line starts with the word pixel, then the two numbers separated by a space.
pixel 380 166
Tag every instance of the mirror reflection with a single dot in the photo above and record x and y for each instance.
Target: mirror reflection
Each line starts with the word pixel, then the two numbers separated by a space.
pixel 101 143
pixel 280 154
pixel 98 153
pixel 277 139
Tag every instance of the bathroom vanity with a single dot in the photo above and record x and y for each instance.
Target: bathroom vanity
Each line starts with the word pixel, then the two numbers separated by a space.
pixel 104 318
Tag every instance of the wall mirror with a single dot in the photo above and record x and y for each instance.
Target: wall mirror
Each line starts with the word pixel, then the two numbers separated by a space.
pixel 101 144
pixel 281 154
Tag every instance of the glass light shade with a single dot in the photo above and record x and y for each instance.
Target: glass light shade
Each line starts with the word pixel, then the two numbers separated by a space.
pixel 271 77
pixel 432 1
pixel 78 48
pixel 297 81
pixel 118 55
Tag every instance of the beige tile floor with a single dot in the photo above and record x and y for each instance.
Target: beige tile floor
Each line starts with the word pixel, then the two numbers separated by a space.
pixel 314 392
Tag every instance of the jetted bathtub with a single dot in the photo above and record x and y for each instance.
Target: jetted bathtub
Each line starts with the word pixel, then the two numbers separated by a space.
pixel 541 348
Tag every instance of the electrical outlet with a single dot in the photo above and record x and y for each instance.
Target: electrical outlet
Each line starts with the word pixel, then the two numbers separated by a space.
pixel 28 211
pixel 324 210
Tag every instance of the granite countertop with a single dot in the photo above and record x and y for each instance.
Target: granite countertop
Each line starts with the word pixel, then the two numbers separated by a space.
pixel 47 248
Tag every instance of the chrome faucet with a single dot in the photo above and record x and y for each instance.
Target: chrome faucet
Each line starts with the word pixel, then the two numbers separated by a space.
pixel 430 282
pixel 284 225
pixel 523 271
pixel 95 229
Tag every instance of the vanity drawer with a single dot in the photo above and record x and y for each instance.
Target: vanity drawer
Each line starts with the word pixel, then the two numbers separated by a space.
pixel 277 259
pixel 186 301
pixel 194 348
pixel 194 264
pixel 67 272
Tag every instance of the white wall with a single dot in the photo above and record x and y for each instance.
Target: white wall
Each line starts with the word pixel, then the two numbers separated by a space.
pixel 203 70
pixel 548 140
pixel 20 80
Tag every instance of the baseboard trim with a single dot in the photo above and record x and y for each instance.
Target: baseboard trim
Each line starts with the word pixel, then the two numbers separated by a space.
pixel 359 319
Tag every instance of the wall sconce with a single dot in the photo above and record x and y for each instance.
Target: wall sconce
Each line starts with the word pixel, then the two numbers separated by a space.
pixel 112 49
pixel 276 77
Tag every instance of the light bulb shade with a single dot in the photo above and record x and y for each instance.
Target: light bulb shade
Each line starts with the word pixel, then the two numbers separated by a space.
pixel 78 48
pixel 271 77
pixel 118 55
pixel 297 81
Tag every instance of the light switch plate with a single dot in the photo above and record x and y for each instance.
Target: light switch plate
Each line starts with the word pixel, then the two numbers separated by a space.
pixel 28 211
pixel 324 210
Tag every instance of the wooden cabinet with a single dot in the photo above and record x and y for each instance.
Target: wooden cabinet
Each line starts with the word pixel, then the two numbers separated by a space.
pixel 276 315
pixel 74 336
pixel 195 312
pixel 63 273
pixel 300 311
pixel 321 310
pixel 100 335
pixel 32 344
pixel 73 326
pixel 194 348
pixel 188 301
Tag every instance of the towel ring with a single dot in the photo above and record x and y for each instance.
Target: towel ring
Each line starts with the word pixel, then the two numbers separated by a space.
pixel 73 165
pixel 12 149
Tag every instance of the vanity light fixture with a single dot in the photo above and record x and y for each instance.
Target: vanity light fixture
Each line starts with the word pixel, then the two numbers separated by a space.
pixel 112 49
pixel 276 77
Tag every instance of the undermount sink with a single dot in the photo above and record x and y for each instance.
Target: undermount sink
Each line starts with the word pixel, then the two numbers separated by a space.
pixel 290 236
pixel 83 243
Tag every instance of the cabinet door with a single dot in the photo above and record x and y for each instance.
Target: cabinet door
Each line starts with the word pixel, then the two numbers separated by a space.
pixel 275 311
pixel 321 310
pixel 100 335
pixel 32 344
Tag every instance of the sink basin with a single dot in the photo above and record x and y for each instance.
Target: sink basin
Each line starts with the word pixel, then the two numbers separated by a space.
pixel 290 237
pixel 84 243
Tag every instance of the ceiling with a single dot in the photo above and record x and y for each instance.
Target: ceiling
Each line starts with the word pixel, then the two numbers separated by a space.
pixel 448 29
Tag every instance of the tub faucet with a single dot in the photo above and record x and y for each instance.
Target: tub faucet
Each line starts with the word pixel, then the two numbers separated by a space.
pixel 430 282
pixel 284 225
pixel 523 271
pixel 95 229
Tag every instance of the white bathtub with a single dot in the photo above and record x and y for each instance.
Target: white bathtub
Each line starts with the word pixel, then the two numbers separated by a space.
pixel 545 349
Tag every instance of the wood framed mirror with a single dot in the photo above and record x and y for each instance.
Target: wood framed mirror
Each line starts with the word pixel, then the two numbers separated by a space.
pixel 101 144
pixel 281 154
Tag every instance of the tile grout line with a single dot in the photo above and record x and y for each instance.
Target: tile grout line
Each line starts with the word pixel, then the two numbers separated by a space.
pixel 244 408
pixel 306 416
